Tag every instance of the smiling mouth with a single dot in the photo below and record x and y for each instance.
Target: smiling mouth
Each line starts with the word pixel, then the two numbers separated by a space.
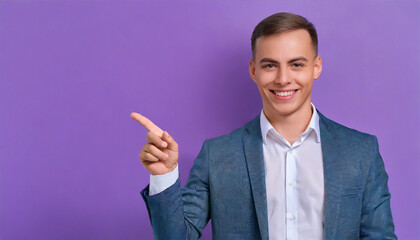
pixel 283 93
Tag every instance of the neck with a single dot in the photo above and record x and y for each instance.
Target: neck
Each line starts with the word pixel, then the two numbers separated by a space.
pixel 291 126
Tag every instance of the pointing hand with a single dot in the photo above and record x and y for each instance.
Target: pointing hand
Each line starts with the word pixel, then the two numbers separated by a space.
pixel 160 154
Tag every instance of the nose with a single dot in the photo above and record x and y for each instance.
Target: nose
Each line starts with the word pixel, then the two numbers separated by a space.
pixel 283 77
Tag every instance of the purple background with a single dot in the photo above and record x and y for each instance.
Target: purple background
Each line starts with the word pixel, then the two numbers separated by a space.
pixel 72 72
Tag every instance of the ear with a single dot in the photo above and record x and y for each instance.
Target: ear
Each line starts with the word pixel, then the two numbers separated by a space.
pixel 317 67
pixel 252 69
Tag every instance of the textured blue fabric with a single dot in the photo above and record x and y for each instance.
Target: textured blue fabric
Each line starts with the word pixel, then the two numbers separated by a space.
pixel 227 183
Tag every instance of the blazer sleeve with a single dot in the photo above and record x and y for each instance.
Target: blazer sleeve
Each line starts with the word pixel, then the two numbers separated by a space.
pixel 182 213
pixel 376 219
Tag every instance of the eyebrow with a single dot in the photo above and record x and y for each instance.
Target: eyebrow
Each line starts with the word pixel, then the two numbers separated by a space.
pixel 277 62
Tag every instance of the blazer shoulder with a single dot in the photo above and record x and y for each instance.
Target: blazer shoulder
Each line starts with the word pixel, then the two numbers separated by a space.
pixel 235 137
pixel 344 132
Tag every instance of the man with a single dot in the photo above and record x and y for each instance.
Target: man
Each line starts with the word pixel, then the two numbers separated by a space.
pixel 290 173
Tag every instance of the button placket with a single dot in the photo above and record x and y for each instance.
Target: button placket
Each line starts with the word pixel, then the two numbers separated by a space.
pixel 291 203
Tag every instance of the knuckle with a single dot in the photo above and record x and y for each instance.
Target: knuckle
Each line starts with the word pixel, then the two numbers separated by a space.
pixel 170 138
pixel 152 148
pixel 150 135
pixel 147 156
pixel 150 157
pixel 142 155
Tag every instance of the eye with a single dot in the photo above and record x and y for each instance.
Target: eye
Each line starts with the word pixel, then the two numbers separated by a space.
pixel 269 66
pixel 297 65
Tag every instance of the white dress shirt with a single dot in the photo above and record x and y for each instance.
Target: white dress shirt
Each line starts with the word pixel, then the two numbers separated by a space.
pixel 294 179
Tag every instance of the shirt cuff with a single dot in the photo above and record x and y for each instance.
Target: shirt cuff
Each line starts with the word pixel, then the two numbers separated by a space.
pixel 159 183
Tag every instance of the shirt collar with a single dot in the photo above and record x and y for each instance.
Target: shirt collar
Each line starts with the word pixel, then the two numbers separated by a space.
pixel 313 125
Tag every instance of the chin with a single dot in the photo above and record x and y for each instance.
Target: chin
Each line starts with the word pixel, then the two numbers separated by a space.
pixel 288 108
pixel 283 111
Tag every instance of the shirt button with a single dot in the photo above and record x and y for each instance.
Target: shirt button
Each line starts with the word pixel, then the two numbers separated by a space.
pixel 290 217
pixel 291 183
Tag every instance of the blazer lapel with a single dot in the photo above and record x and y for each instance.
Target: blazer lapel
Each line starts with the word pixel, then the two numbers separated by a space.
pixel 254 155
pixel 330 153
pixel 255 163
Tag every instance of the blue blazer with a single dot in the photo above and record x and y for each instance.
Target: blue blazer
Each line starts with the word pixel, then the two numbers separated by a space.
pixel 227 184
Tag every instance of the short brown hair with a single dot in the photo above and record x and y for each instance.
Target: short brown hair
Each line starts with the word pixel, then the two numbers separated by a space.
pixel 280 23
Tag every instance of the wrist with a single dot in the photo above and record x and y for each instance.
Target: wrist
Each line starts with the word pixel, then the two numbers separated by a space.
pixel 161 172
pixel 159 183
pixel 171 169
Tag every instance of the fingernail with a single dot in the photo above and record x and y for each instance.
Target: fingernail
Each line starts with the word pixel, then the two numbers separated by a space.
pixel 166 156
pixel 164 144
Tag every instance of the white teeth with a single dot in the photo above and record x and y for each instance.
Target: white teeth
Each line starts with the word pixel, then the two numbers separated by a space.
pixel 284 94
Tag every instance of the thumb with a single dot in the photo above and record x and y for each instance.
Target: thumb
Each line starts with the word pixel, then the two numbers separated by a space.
pixel 172 145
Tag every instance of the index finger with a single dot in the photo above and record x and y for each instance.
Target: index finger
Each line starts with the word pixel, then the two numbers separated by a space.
pixel 149 125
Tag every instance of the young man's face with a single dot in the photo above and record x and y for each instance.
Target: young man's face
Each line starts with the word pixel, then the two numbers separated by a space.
pixel 284 69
